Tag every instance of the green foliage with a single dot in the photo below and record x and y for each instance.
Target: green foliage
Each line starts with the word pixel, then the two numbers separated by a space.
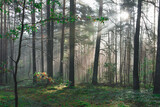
pixel 81 96
pixel 146 68
pixel 111 68
pixel 122 104
pixel 82 104
pixel 17 10
pixel 89 74
pixel 102 19
pixel 67 83
pixel 3 67
pixel 38 6
pixel 58 17
pixel 57 2
pixel 112 65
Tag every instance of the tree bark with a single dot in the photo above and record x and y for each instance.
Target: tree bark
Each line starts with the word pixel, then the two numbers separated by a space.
pixel 156 89
pixel 62 42
pixel 97 50
pixel 136 48
pixel 154 41
pixel 116 55
pixel 120 44
pixel 33 42
pixel 42 57
pixel 49 44
pixel 1 48
pixel 18 57
pixel 128 57
pixel 72 43
pixel 52 34
pixel 5 44
pixel 144 68
pixel 11 46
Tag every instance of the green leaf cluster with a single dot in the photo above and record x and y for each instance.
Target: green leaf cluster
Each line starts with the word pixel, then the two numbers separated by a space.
pixel 102 19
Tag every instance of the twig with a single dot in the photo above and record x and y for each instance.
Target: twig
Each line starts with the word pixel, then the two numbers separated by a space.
pixel 13 59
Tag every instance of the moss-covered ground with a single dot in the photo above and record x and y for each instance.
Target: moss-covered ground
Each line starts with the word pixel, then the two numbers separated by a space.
pixel 79 96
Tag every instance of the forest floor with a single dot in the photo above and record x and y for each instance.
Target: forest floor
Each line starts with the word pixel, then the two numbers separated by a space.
pixel 79 96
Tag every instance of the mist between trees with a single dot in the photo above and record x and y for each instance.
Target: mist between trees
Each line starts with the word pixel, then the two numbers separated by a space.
pixel 114 42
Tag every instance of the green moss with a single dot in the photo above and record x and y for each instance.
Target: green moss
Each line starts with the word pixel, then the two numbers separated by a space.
pixel 79 96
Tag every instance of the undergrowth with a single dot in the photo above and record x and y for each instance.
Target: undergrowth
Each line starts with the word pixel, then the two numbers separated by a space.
pixel 80 96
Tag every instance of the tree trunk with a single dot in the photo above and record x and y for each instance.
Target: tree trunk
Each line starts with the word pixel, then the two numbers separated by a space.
pixel 52 36
pixel 109 59
pixel 33 43
pixel 97 50
pixel 1 47
pixel 18 57
pixel 144 68
pixel 136 49
pixel 156 89
pixel 128 57
pixel 11 47
pixel 154 41
pixel 72 43
pixel 49 44
pixel 42 57
pixel 5 44
pixel 121 78
pixel 116 54
pixel 62 42
pixel 120 44
pixel 124 62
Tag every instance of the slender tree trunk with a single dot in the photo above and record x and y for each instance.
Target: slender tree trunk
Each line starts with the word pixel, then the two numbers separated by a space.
pixel 62 42
pixel 116 51
pixel 154 48
pixel 129 47
pixel 12 53
pixel 140 68
pixel 136 48
pixel 129 57
pixel 156 89
pixel 144 69
pixel 97 50
pixel 109 57
pixel 112 55
pixel 18 57
pixel 49 44
pixel 42 57
pixel 30 59
pixel 11 45
pixel 121 78
pixel 5 47
pixel 125 67
pixel 116 55
pixel 72 43
pixel 33 43
pixel 1 47
pixel 52 34
pixel 120 44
